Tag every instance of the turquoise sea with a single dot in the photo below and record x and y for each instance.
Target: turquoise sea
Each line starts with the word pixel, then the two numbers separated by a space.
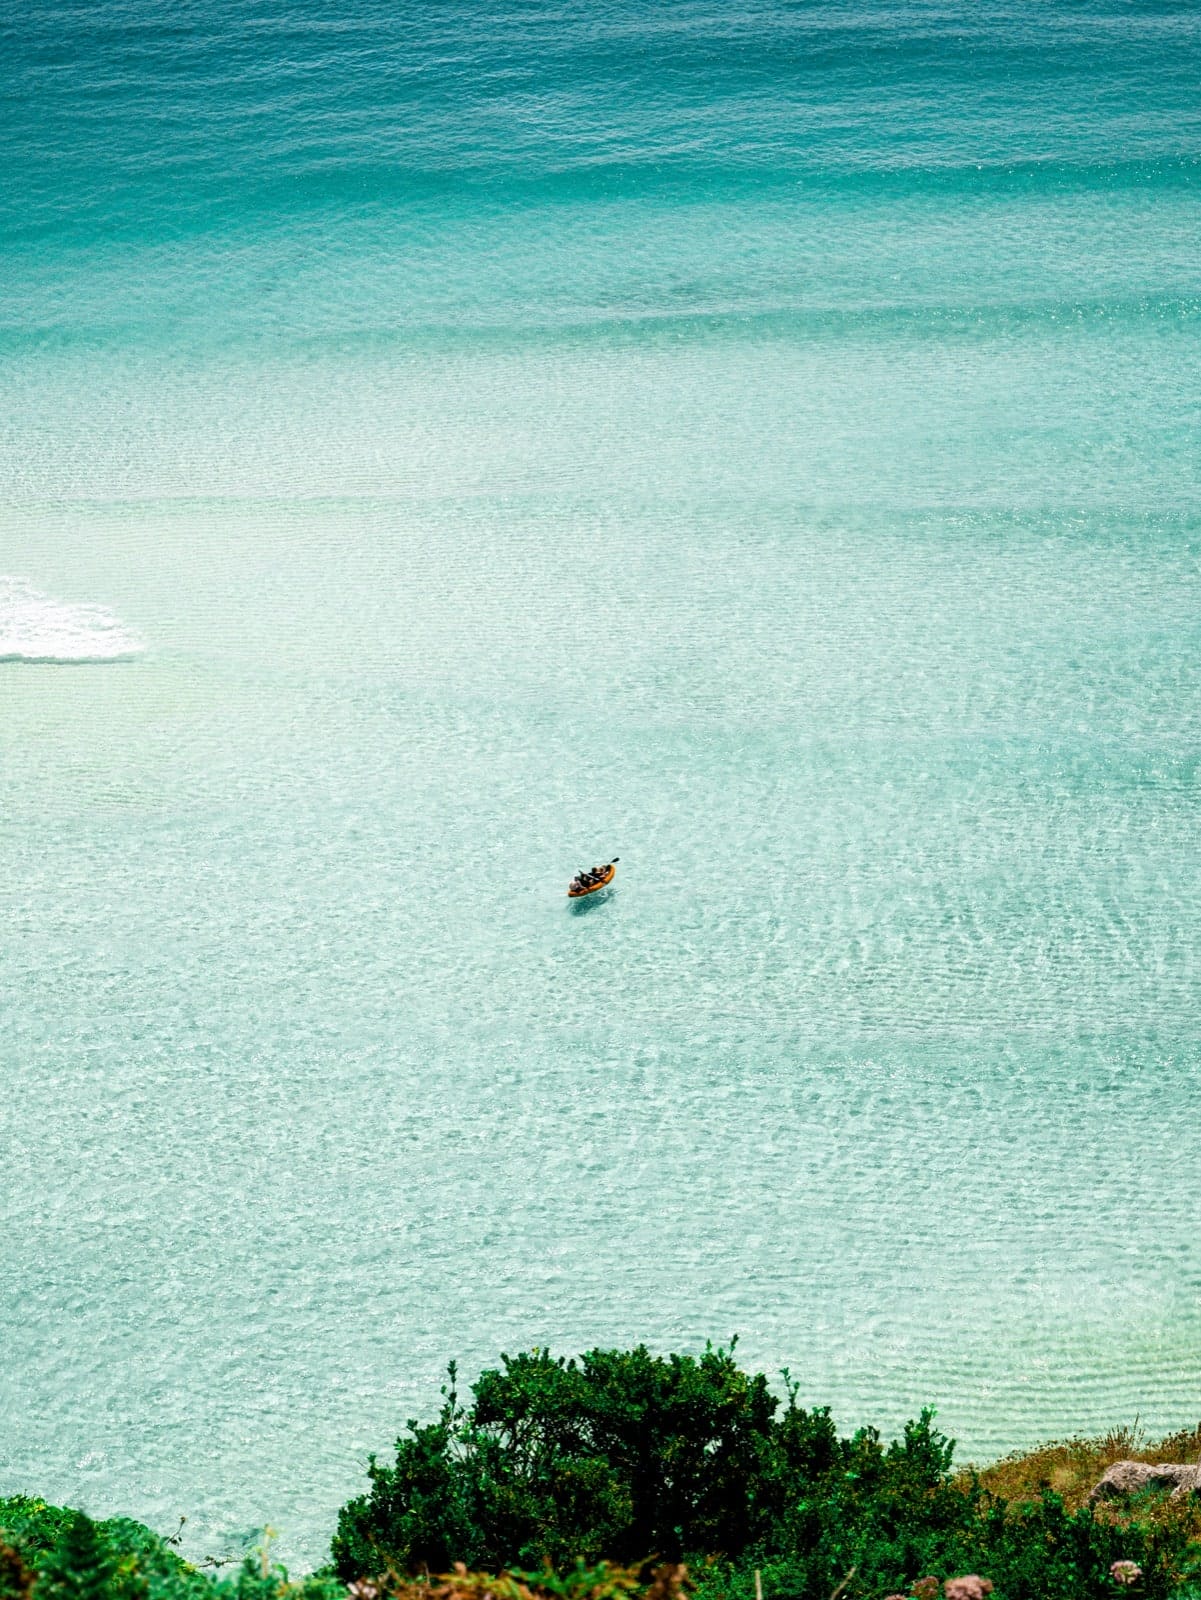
pixel 443 445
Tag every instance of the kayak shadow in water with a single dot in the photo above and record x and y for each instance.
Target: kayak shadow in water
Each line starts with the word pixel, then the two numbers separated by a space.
pixel 590 902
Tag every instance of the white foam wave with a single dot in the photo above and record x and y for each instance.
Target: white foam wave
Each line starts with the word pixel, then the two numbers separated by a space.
pixel 34 627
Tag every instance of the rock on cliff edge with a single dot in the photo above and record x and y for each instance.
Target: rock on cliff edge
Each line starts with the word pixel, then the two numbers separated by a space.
pixel 1128 1477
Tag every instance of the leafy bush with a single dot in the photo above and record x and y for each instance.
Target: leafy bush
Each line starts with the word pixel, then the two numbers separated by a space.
pixel 567 1478
pixel 629 1457
pixel 619 1455
pixel 74 1558
pixel 51 1553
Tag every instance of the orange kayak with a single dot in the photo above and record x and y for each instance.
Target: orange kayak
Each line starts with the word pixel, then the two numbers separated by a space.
pixel 605 879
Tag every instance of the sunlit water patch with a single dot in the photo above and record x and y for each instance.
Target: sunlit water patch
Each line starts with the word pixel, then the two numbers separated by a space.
pixel 37 628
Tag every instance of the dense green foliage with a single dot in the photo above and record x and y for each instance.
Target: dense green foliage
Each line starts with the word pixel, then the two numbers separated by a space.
pixel 574 1476
pixel 74 1558
pixel 627 1456
pixel 48 1553
pixel 617 1456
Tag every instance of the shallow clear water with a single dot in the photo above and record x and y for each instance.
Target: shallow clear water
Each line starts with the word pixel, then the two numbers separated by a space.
pixel 762 446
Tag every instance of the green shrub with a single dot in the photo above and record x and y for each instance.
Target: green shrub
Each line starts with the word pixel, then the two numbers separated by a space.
pixel 74 1558
pixel 51 1553
pixel 80 1565
pixel 629 1457
pixel 566 1479
pixel 620 1455
pixel 16 1578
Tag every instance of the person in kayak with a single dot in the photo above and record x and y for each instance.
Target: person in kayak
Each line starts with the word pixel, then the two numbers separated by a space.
pixel 593 878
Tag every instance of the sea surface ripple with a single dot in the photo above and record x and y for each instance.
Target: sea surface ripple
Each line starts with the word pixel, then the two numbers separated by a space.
pixel 759 442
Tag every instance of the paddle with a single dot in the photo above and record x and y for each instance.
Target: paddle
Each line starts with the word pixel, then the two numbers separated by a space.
pixel 613 863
